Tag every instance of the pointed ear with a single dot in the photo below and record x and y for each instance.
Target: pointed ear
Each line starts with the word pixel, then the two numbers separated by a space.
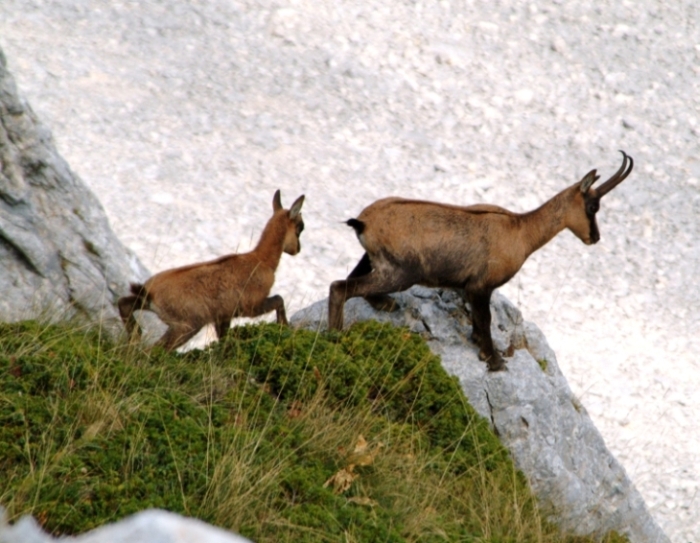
pixel 276 201
pixel 588 181
pixel 296 207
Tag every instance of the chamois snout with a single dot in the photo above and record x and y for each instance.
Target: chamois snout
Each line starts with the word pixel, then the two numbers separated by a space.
pixel 579 215
pixel 584 224
pixel 595 235
pixel 293 247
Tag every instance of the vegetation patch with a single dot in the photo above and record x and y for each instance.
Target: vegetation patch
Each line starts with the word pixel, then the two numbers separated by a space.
pixel 277 434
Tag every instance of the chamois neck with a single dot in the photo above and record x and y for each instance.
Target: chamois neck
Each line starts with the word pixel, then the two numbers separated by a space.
pixel 542 224
pixel 271 242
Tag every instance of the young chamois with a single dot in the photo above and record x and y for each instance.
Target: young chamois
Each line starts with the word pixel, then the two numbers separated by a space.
pixel 237 285
pixel 475 248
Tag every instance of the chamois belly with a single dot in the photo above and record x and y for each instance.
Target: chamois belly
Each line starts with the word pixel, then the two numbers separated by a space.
pixel 231 303
pixel 446 267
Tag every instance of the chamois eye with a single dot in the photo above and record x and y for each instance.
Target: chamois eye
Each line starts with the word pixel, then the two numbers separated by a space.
pixel 592 208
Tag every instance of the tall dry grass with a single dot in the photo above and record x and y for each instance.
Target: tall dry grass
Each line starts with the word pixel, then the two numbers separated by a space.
pixel 276 434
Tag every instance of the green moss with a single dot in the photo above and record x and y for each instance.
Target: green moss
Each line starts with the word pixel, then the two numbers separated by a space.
pixel 543 364
pixel 247 433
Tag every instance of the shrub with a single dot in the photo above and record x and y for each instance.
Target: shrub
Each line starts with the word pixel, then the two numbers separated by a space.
pixel 277 434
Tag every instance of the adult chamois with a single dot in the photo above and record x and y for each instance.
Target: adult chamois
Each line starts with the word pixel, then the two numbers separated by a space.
pixel 236 285
pixel 476 248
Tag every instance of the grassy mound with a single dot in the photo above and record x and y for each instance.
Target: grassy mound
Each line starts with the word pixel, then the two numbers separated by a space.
pixel 276 434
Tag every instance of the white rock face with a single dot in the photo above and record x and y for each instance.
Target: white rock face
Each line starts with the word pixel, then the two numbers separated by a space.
pixel 151 526
pixel 579 483
pixel 58 255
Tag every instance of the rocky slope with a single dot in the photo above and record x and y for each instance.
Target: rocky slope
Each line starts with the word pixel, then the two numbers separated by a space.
pixel 184 119
pixel 580 486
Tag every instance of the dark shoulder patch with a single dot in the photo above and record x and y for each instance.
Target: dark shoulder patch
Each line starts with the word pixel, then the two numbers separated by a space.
pixel 139 290
pixel 136 289
pixel 359 226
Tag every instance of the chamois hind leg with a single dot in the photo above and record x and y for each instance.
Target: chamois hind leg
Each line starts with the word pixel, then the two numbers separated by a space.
pixel 127 305
pixel 365 285
pixel 177 335
pixel 363 267
pixel 380 302
pixel 481 311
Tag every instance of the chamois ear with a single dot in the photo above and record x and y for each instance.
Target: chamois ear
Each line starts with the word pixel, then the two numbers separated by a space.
pixel 588 181
pixel 277 201
pixel 296 207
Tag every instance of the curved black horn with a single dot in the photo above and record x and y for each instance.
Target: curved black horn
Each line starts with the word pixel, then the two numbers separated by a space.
pixel 619 177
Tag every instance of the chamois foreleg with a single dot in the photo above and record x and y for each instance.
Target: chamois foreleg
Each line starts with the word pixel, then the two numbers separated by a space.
pixel 364 267
pixel 273 303
pixel 380 302
pixel 372 285
pixel 481 322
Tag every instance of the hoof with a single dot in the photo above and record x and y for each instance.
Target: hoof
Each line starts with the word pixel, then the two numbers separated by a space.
pixel 494 362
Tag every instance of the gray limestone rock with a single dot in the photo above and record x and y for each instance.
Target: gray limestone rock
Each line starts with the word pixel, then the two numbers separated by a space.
pixel 150 526
pixel 59 258
pixel 578 482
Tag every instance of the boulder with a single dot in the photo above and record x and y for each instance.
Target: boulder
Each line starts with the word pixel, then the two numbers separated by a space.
pixel 579 484
pixel 59 258
pixel 150 526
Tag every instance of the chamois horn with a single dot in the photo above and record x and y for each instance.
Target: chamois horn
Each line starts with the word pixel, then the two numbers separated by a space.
pixel 619 176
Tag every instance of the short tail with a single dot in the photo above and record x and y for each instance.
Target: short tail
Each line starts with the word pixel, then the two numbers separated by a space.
pixel 359 226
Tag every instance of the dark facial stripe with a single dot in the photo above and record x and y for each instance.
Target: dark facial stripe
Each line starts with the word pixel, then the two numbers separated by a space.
pixel 595 235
